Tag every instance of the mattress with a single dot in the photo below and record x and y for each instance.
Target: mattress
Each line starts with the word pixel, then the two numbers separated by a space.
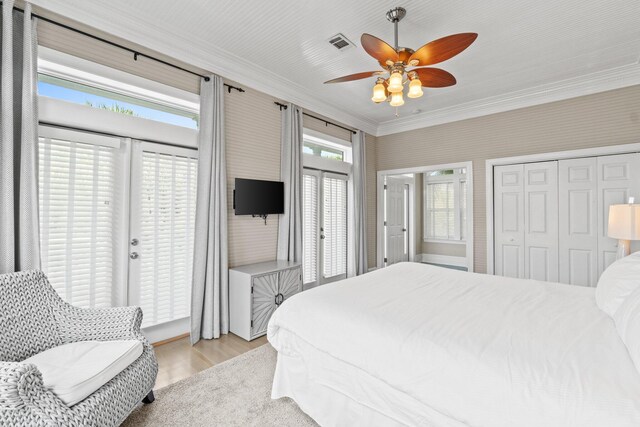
pixel 449 348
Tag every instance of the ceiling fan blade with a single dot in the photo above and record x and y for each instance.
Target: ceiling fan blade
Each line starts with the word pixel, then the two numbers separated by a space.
pixel 443 49
pixel 379 49
pixel 434 77
pixel 356 76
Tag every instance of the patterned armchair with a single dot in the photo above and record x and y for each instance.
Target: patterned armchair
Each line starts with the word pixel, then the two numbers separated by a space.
pixel 33 318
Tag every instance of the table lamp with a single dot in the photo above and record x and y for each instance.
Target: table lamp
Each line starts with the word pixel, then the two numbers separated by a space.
pixel 624 225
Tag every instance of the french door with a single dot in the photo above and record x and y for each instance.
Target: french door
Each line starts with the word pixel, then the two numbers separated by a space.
pixel 117 222
pixel 324 227
pixel 162 214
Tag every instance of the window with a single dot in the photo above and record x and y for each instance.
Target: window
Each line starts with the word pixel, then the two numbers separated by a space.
pixel 68 90
pixel 67 78
pixel 323 146
pixel 445 193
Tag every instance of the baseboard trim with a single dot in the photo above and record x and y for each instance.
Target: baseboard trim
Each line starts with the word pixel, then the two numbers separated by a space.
pixel 454 261
pixel 168 340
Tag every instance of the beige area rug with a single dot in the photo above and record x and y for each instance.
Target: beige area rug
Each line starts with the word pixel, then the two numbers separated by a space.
pixel 233 393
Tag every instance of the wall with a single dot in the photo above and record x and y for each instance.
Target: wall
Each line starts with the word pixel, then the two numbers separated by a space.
pixel 253 151
pixel 252 123
pixel 607 118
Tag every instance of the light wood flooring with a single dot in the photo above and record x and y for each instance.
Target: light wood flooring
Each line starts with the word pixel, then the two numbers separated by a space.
pixel 178 359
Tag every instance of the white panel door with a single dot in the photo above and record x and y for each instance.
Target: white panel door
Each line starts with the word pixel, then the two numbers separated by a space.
pixel 509 220
pixel 618 179
pixel 578 221
pixel 541 221
pixel 395 248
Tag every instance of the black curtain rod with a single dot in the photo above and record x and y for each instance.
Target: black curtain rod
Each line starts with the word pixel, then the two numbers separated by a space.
pixel 136 54
pixel 326 123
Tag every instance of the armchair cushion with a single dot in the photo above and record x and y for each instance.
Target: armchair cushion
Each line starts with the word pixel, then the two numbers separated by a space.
pixel 75 370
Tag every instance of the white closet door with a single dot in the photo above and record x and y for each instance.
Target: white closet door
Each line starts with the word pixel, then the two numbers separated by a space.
pixel 509 220
pixel 578 225
pixel 541 221
pixel 618 179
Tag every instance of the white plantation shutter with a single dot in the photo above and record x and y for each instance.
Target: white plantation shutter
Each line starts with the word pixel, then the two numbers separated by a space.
pixel 334 189
pixel 166 229
pixel 463 209
pixel 446 206
pixel 310 219
pixel 440 210
pixel 77 200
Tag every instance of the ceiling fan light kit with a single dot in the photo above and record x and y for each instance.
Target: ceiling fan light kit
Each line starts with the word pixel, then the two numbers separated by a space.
pixel 404 65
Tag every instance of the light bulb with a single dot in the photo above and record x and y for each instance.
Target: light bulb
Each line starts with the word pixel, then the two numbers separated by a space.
pixel 395 82
pixel 415 88
pixel 396 99
pixel 379 93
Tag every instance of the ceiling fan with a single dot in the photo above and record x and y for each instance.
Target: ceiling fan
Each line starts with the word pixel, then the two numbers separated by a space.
pixel 399 62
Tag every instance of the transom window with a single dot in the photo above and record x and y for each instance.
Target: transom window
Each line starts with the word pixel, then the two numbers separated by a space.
pixel 324 148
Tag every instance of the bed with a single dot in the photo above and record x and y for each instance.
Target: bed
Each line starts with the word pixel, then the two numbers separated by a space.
pixel 419 345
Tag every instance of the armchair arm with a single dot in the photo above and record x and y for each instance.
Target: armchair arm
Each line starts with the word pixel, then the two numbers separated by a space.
pixel 23 398
pixel 99 324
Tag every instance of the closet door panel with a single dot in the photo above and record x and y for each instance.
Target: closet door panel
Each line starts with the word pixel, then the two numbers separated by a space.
pixel 509 220
pixel 618 179
pixel 578 221
pixel 541 221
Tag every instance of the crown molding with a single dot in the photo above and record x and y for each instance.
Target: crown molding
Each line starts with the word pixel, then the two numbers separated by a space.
pixel 204 56
pixel 589 84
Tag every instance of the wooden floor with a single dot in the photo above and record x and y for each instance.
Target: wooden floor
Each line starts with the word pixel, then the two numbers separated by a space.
pixel 178 359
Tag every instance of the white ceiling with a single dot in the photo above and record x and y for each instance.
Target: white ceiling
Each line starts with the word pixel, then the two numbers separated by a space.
pixel 527 52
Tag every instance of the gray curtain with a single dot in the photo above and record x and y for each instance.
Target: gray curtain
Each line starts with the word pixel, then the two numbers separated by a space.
pixel 290 226
pixel 19 222
pixel 359 212
pixel 210 288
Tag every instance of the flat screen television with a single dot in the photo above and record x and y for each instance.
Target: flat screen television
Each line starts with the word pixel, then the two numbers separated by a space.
pixel 258 198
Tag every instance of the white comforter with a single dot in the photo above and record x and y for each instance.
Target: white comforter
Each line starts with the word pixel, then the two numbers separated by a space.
pixel 478 349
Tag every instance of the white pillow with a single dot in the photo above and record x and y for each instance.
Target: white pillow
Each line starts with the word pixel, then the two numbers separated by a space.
pixel 627 320
pixel 617 283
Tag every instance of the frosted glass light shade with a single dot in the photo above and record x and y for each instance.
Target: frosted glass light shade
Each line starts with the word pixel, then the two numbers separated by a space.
pixel 395 82
pixel 624 222
pixel 415 89
pixel 379 93
pixel 396 99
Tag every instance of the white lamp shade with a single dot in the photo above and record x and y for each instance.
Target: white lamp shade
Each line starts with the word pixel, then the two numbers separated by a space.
pixel 624 222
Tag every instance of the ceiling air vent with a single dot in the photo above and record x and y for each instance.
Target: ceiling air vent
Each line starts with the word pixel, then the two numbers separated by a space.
pixel 340 42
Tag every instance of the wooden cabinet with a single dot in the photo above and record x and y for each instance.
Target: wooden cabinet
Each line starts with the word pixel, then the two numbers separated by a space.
pixel 256 291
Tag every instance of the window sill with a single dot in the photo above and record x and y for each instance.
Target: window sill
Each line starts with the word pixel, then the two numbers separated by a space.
pixel 451 242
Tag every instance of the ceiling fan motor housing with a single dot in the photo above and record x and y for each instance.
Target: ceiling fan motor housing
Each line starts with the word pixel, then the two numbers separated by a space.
pixel 396 14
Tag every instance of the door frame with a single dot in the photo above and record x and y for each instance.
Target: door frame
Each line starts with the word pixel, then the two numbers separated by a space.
pixel 423 169
pixel 534 158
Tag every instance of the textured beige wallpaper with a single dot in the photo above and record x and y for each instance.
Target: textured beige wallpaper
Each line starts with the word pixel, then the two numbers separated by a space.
pixel 607 118
pixel 253 151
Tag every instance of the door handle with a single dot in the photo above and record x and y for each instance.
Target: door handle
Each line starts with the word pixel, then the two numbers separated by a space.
pixel 134 255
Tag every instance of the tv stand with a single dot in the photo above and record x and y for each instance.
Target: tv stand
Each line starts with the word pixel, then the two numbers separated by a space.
pixel 263 216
